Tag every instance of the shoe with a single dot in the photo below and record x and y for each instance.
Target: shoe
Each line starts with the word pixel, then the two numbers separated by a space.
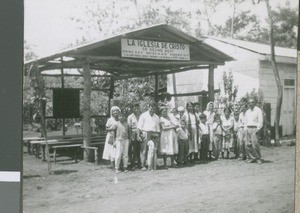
pixel 250 161
pixel 143 169
pixel 117 171
pixel 259 162
pixel 125 170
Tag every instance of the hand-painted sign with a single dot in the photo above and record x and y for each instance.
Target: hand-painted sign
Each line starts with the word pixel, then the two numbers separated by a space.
pixel 133 48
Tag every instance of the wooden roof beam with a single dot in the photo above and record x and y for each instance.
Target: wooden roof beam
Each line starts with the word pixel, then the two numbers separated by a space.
pixel 145 61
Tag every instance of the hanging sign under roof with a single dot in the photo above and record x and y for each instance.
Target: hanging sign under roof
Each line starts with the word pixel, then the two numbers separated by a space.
pixel 134 48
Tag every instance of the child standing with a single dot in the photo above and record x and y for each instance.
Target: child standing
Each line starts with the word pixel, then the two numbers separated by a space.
pixel 204 132
pixel 183 144
pixel 218 136
pixel 111 124
pixel 122 143
pixel 227 126
pixel 152 153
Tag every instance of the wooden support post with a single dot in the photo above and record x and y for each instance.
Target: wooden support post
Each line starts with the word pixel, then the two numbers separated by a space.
pixel 75 154
pixel 111 93
pixel 96 157
pixel 62 86
pixel 54 155
pixel 44 152
pixel 87 111
pixel 211 87
pixel 156 88
pixel 174 88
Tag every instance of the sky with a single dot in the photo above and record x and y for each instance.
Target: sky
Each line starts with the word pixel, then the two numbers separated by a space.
pixel 48 28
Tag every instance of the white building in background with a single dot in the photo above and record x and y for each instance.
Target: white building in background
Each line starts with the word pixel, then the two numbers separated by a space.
pixel 251 70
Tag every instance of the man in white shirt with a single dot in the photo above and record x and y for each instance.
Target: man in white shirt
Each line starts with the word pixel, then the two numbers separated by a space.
pixel 253 123
pixel 135 140
pixel 148 125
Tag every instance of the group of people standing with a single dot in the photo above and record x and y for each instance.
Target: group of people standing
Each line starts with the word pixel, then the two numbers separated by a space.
pixel 185 135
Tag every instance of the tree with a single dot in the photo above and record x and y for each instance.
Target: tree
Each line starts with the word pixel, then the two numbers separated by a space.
pixel 275 69
pixel 276 73
pixel 29 102
pixel 246 26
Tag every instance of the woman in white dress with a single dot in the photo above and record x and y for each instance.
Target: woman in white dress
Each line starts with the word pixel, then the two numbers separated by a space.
pixel 111 125
pixel 168 139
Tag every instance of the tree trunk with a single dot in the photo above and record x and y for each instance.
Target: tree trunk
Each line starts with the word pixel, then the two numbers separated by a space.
pixel 44 132
pixel 211 87
pixel 87 156
pixel 232 20
pixel 276 75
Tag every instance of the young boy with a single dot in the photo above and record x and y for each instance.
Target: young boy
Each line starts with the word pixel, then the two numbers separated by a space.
pixel 218 136
pixel 183 144
pixel 204 132
pixel 152 153
pixel 122 142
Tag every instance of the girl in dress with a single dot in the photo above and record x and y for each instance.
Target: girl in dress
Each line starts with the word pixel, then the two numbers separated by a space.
pixel 168 139
pixel 227 127
pixel 210 113
pixel 111 125
pixel 192 122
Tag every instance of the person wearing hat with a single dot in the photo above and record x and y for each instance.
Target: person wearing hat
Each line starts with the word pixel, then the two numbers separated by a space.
pixel 180 111
pixel 148 125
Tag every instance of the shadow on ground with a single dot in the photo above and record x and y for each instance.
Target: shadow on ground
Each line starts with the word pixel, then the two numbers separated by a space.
pixel 62 172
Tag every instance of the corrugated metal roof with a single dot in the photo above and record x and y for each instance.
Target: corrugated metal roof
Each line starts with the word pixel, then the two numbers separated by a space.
pixel 106 55
pixel 259 48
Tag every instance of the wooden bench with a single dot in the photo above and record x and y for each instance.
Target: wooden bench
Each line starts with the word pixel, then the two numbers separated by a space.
pixel 66 146
pixel 93 146
pixel 26 142
pixel 95 152
pixel 95 141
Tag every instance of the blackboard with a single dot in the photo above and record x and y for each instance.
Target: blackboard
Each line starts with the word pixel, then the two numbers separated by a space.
pixel 66 103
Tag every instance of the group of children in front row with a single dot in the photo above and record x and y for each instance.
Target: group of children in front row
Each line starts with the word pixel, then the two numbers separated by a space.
pixel 184 135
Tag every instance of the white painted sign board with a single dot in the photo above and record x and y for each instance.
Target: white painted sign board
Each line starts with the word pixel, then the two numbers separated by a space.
pixel 134 48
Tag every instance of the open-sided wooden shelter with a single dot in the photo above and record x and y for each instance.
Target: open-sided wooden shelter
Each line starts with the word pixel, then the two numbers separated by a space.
pixel 155 50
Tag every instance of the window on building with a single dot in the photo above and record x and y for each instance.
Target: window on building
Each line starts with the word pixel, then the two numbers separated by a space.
pixel 289 82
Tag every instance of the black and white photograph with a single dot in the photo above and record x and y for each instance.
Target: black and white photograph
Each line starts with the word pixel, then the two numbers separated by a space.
pixel 159 106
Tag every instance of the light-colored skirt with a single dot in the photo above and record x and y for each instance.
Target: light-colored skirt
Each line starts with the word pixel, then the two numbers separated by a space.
pixel 168 142
pixel 193 144
pixel 109 151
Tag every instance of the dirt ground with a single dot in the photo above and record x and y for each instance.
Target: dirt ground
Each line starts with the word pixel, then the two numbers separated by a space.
pixel 218 186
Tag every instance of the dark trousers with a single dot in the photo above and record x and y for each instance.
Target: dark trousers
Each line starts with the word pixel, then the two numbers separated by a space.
pixel 134 152
pixel 204 147
pixel 183 151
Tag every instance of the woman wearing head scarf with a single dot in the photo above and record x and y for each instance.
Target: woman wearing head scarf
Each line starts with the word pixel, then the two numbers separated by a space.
pixel 111 125
pixel 192 121
pixel 210 114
